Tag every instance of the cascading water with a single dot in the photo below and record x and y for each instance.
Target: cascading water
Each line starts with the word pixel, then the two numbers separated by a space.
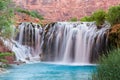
pixel 27 44
pixel 74 42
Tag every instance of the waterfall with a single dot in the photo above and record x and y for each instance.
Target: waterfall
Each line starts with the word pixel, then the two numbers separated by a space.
pixel 27 44
pixel 66 42
pixel 74 42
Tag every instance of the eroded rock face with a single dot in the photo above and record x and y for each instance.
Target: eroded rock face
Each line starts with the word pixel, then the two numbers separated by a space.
pixel 61 10
pixel 4 49
pixel 21 17
pixel 114 36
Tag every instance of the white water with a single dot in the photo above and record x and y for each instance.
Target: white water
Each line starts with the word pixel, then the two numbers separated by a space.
pixel 64 42
pixel 27 48
pixel 74 41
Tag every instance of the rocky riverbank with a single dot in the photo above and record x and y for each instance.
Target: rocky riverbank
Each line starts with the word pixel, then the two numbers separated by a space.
pixel 2 70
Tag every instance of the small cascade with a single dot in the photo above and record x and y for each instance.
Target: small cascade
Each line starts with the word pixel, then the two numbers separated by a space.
pixel 27 43
pixel 74 42
pixel 66 42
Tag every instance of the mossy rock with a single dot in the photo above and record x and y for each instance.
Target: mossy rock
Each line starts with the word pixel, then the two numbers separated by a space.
pixel 114 36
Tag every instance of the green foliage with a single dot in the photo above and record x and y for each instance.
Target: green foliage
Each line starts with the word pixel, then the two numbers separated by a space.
pixel 6 17
pixel 114 15
pixel 98 16
pixel 86 19
pixel 34 14
pixel 2 4
pixel 74 19
pixel 3 55
pixel 109 67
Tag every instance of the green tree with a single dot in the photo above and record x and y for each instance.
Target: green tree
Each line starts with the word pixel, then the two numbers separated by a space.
pixel 99 16
pixel 6 18
pixel 114 15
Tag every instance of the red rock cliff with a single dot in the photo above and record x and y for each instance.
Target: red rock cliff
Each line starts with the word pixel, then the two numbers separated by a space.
pixel 61 10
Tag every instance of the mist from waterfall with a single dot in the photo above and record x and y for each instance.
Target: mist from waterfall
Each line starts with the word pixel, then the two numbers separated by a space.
pixel 66 42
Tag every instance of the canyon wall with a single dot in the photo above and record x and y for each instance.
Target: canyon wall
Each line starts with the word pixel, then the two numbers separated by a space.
pixel 63 10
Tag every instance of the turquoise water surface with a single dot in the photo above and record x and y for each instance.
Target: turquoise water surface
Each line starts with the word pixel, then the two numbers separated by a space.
pixel 46 71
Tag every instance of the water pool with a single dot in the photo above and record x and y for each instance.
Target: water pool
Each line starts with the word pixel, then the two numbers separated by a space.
pixel 46 71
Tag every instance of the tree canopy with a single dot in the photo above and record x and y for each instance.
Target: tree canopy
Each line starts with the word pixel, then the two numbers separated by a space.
pixel 6 17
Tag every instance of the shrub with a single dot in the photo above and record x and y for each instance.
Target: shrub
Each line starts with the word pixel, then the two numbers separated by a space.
pixel 99 16
pixel 109 67
pixel 34 14
pixel 2 4
pixel 3 55
pixel 114 15
pixel 86 19
pixel 6 17
pixel 74 19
